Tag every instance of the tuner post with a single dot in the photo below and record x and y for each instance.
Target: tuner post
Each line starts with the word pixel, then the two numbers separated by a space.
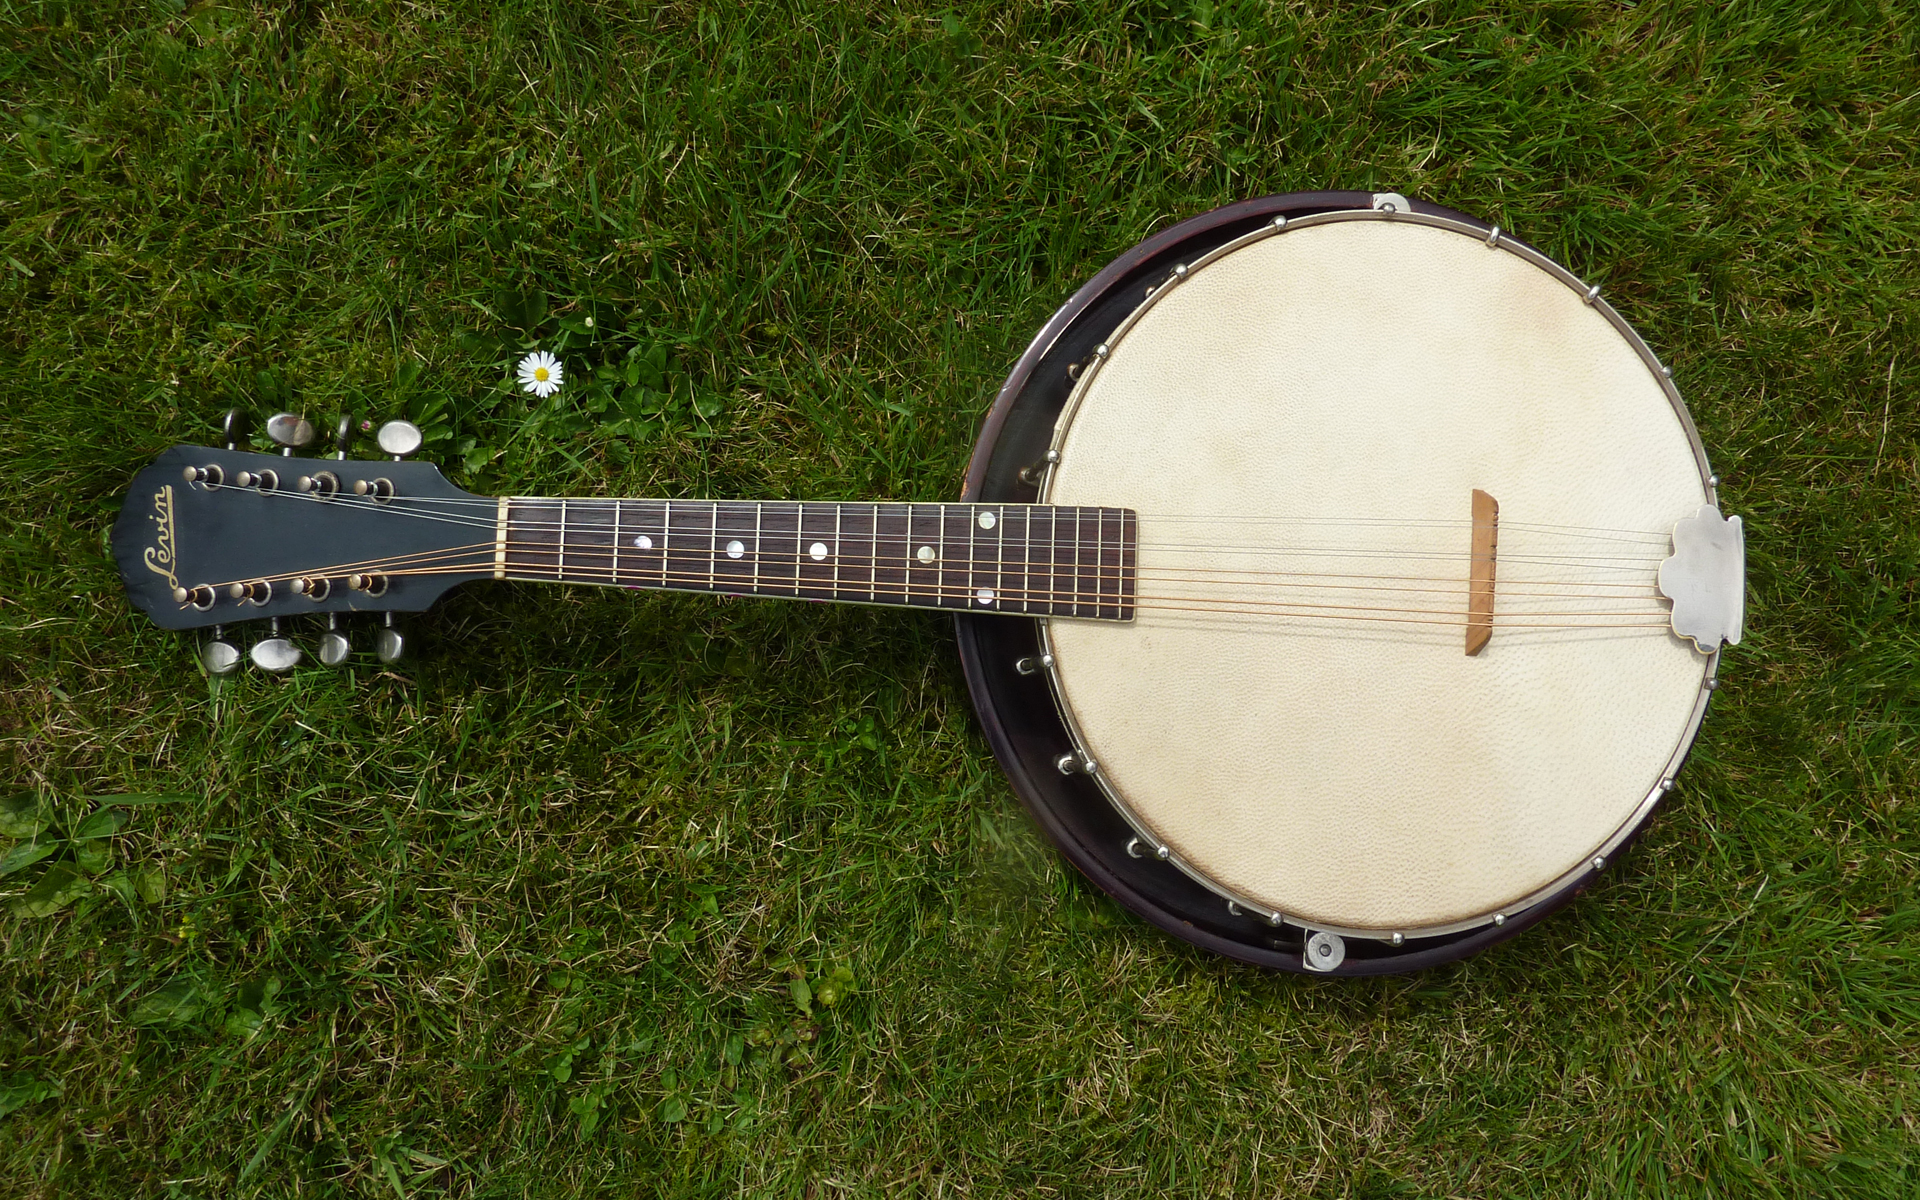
pixel 255 592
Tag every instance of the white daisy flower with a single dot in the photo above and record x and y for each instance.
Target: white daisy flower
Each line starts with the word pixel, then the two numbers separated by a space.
pixel 540 374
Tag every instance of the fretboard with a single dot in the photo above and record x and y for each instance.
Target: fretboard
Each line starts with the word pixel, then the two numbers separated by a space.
pixel 1009 558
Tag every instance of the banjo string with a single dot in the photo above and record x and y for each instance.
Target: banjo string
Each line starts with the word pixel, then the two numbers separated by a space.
pixel 1589 561
pixel 398 505
pixel 1154 601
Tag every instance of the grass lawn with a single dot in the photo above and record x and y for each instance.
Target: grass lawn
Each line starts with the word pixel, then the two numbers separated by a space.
pixel 611 894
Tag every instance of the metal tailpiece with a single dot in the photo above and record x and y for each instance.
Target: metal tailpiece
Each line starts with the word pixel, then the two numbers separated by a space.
pixel 1707 579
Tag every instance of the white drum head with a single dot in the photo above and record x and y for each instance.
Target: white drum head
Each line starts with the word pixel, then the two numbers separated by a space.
pixel 1300 423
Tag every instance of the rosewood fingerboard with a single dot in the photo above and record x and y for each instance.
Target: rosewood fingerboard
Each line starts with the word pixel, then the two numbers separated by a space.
pixel 1031 559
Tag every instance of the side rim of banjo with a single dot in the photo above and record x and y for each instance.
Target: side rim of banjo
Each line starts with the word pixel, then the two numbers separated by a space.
pixel 1024 722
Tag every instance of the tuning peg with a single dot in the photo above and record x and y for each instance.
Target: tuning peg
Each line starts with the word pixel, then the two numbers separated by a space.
pixel 234 427
pixel 219 656
pixel 390 644
pixel 399 438
pixel 275 652
pixel 334 646
pixel 290 431
pixel 343 435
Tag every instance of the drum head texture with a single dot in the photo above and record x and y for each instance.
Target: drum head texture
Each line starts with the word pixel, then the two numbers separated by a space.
pixel 1300 421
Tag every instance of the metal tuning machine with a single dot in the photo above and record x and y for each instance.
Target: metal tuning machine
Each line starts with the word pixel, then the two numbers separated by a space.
pixel 390 644
pixel 398 439
pixel 218 654
pixel 290 431
pixel 234 427
pixel 334 646
pixel 275 652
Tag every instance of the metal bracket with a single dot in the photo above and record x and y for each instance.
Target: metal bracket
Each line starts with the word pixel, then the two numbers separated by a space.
pixel 1324 951
pixel 1032 472
pixel 1706 578
pixel 1391 202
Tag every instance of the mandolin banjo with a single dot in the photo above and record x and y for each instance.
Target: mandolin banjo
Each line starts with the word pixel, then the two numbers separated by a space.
pixel 1339 581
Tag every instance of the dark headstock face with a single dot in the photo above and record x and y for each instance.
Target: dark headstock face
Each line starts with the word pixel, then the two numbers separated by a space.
pixel 215 537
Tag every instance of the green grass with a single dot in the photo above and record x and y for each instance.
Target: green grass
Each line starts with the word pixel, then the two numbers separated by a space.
pixel 523 916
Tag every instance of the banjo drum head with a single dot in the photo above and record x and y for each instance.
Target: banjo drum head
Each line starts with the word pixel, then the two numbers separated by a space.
pixel 1300 418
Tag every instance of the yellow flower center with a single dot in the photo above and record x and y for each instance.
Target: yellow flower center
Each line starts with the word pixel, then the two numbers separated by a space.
pixel 540 373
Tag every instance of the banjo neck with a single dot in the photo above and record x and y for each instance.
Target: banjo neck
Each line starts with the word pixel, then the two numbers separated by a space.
pixel 1020 559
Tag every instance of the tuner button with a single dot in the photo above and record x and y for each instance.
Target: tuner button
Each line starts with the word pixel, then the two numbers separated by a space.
pixel 234 426
pixel 390 644
pixel 343 435
pixel 334 646
pixel 289 430
pixel 275 652
pixel 219 656
pixel 399 438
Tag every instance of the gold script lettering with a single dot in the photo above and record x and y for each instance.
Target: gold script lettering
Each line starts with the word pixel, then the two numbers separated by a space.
pixel 159 556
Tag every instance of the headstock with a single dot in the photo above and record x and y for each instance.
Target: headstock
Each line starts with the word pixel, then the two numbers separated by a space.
pixel 208 538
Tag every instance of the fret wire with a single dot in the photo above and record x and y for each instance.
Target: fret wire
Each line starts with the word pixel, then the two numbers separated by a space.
pixel 799 532
pixel 1076 562
pixel 1099 558
pixel 1026 560
pixel 615 568
pixel 758 506
pixel 560 564
pixel 836 550
pixel 999 555
pixel 973 582
pixel 940 576
pixel 666 538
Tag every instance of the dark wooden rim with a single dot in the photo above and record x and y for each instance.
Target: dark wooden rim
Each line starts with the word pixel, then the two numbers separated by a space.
pixel 1017 712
